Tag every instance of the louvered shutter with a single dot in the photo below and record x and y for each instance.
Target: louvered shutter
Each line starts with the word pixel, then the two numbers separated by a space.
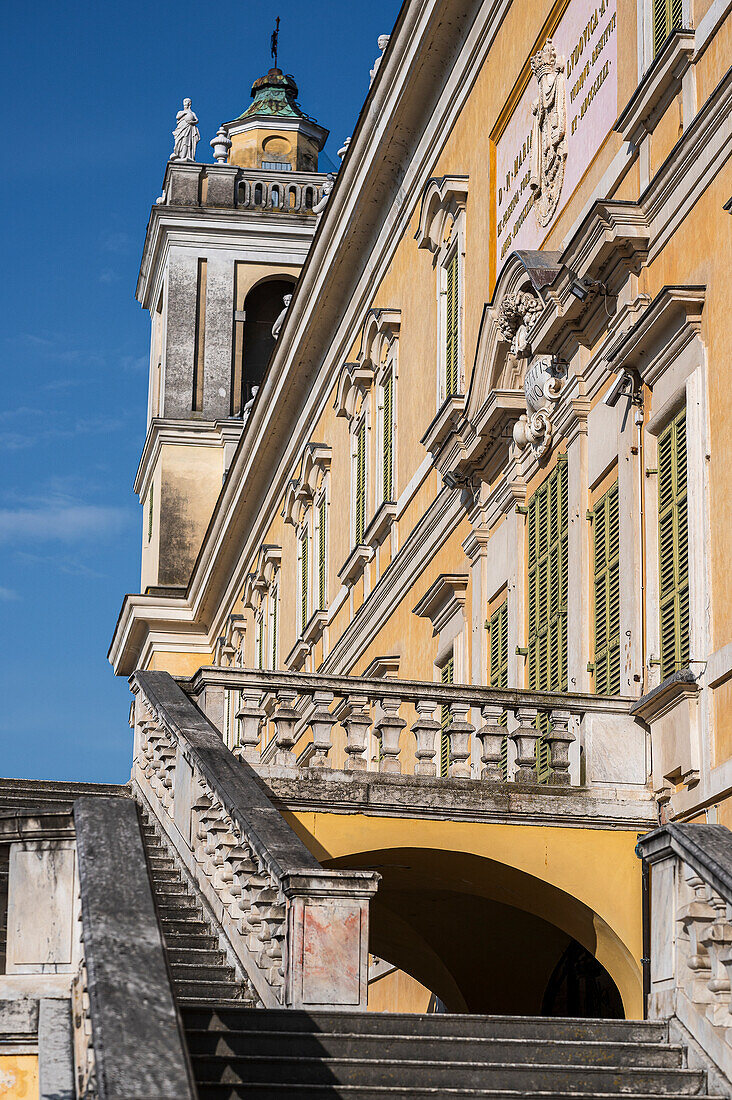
pixel 259 638
pixel 452 327
pixel 547 583
pixel 446 677
pixel 667 16
pixel 274 613
pixel 322 544
pixel 388 439
pixel 673 546
pixel 606 544
pixel 499 667
pixel 303 579
pixel 360 482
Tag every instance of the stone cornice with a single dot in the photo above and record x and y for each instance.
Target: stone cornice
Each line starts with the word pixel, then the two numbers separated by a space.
pixel 443 197
pixel 662 331
pixel 443 598
pixel 659 85
pixel 184 433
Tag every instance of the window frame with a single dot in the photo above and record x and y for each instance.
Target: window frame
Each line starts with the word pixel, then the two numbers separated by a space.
pixel 452 249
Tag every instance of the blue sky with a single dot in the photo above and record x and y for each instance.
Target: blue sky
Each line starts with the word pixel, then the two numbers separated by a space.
pixel 90 93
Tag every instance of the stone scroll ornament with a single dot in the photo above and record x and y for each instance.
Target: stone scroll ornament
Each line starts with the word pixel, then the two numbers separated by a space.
pixel 549 133
pixel 542 388
pixel 185 135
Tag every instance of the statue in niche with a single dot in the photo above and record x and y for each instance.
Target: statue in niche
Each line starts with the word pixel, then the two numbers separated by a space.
pixel 383 42
pixel 186 135
pixel 517 315
pixel 277 326
pixel 549 133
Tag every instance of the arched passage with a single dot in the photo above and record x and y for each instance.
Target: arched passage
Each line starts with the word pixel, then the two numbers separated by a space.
pixel 584 882
pixel 253 340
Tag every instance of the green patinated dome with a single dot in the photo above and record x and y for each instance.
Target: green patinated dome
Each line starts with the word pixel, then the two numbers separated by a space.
pixel 274 96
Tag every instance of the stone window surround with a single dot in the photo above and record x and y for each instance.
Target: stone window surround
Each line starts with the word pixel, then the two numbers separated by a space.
pixel 257 596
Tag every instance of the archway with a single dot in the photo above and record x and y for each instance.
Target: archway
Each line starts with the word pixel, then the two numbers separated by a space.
pixel 262 306
pixel 484 937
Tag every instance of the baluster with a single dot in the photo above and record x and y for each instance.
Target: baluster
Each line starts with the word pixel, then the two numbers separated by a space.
pixel 285 720
pixel 321 723
pixel 460 731
pixel 425 730
pixel 250 716
pixel 694 919
pixel 559 739
pixel 525 737
pixel 491 735
pixel 717 939
pixel 356 725
pixel 390 727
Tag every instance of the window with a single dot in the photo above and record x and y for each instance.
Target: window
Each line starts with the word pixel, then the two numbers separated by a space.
pixel 447 676
pixel 667 16
pixel 304 578
pixel 277 165
pixel 259 638
pixel 387 437
pixel 673 546
pixel 359 497
pixel 322 546
pixel 274 608
pixel 452 326
pixel 548 537
pixel 606 595
pixel 498 667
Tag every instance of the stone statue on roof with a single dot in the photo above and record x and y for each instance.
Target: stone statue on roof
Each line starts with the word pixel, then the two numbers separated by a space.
pixel 186 135
pixel 383 42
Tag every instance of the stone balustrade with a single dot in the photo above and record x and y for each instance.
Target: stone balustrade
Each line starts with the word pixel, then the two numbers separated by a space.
pixel 336 723
pixel 691 933
pixel 299 931
pixel 286 192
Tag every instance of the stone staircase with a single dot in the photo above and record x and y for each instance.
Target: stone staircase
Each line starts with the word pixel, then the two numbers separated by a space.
pixel 198 968
pixel 50 795
pixel 265 1054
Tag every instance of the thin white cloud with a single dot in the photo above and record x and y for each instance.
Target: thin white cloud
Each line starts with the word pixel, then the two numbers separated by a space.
pixel 60 521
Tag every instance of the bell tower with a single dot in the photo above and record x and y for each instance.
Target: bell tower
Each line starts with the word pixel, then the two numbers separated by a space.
pixel 224 246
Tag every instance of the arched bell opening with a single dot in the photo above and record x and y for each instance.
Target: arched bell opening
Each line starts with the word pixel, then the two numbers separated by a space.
pixel 253 339
pixel 486 938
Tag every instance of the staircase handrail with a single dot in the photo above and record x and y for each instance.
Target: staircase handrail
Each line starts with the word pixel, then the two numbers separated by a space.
pixel 691 932
pixel 300 931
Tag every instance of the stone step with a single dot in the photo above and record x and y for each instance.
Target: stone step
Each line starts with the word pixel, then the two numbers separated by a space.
pixel 211 991
pixel 423 1025
pixel 211 1090
pixel 191 956
pixel 164 876
pixel 201 941
pixel 194 972
pixel 170 889
pixel 177 906
pixel 568 1079
pixel 448 1048
pixel 189 927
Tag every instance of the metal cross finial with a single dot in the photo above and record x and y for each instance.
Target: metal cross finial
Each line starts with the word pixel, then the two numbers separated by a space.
pixel 274 40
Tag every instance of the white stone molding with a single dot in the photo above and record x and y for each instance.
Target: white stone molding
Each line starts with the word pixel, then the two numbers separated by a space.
pixel 443 199
pixel 259 581
pixel 662 333
pixel 443 600
pixel 659 85
pixel 386 667
pixel 354 383
pixel 229 651
pixel 302 490
pixel 542 389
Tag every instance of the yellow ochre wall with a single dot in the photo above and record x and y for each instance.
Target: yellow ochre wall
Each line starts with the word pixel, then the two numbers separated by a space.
pixel 18 1077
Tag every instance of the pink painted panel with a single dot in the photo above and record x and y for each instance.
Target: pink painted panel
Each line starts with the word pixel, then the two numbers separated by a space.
pixel 331 954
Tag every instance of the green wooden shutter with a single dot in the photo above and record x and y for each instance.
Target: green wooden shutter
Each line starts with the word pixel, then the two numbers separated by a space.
pixel 303 579
pixel 274 597
pixel 547 584
pixel 498 626
pixel 360 482
pixel 388 438
pixel 447 673
pixel 259 632
pixel 673 546
pixel 667 16
pixel 322 544
pixel 452 326
pixel 606 542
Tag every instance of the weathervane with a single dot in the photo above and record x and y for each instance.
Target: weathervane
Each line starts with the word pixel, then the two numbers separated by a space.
pixel 274 41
